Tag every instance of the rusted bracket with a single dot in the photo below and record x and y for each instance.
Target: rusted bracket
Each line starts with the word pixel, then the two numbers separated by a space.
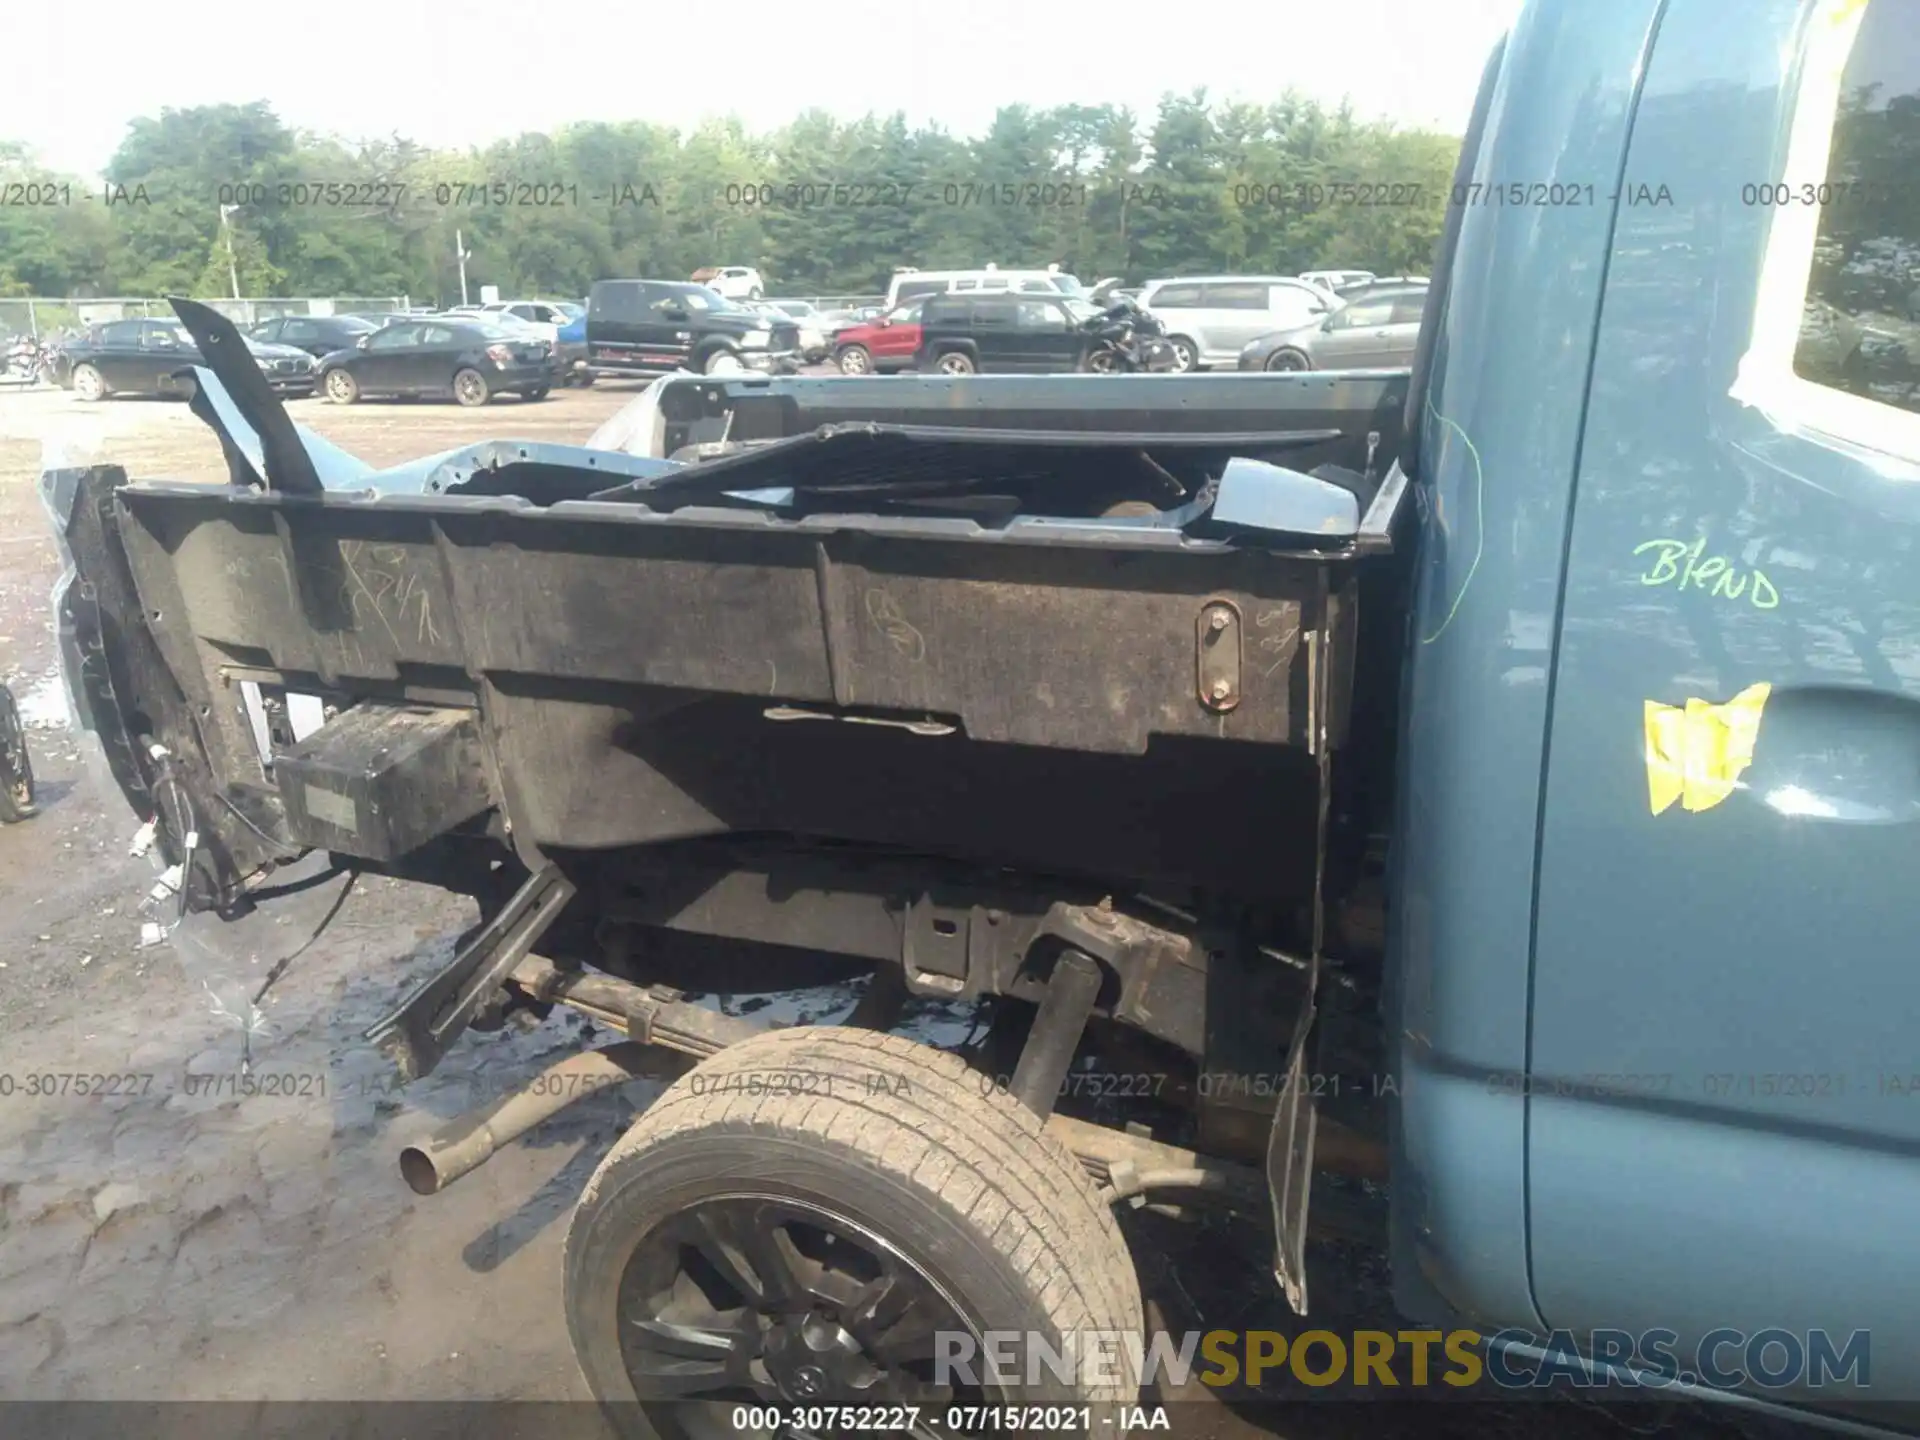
pixel 1217 656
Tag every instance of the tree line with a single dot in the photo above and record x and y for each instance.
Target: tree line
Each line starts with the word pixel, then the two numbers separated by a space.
pixel 195 197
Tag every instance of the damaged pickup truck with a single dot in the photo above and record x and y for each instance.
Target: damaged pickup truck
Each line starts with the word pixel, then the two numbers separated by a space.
pixel 1492 779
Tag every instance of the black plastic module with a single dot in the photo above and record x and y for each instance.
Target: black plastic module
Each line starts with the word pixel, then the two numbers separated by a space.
pixel 382 780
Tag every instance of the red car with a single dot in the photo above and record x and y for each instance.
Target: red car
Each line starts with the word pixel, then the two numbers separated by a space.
pixel 882 347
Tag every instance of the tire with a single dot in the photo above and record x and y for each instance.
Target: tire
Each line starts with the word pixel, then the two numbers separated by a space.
pixel 932 1187
pixel 88 383
pixel 16 766
pixel 585 379
pixel 1288 360
pixel 756 293
pixel 470 388
pixel 854 360
pixel 955 362
pixel 539 392
pixel 1186 354
pixel 342 388
pixel 721 362
pixel 1104 361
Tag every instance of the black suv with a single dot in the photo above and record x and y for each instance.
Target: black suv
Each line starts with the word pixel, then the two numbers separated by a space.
pixel 1031 334
pixel 644 327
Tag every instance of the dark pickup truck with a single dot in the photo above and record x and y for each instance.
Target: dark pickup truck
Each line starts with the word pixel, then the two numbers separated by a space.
pixel 1491 779
pixel 646 327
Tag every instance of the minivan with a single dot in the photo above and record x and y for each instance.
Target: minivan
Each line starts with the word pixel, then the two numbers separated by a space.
pixel 1211 318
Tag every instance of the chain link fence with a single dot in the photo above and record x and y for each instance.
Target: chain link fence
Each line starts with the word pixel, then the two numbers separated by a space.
pixel 39 318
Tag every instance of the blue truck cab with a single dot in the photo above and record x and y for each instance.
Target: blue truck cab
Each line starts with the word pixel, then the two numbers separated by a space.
pixel 1654 895
pixel 1535 731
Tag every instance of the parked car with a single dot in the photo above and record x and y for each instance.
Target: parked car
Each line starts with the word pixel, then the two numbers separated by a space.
pixel 545 316
pixel 643 327
pixel 736 282
pixel 814 343
pixel 570 352
pixel 1376 331
pixel 912 284
pixel 1211 318
pixel 467 359
pixel 147 357
pixel 1000 334
pixel 882 346
pixel 318 335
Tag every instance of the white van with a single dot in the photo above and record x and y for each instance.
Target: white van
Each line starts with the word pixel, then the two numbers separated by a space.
pixel 1211 318
pixel 912 284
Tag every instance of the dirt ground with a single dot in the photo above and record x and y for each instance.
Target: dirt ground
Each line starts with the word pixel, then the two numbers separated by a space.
pixel 182 1238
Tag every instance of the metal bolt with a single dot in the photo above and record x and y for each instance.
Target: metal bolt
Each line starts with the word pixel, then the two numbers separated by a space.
pixel 1222 689
pixel 1218 620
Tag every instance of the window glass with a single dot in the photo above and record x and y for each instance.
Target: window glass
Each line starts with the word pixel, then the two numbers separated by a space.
pixel 619 300
pixel 439 334
pixel 1176 297
pixel 393 337
pixel 995 310
pixel 300 332
pixel 1409 309
pixel 1239 296
pixel 121 332
pixel 1039 315
pixel 1860 324
pixel 1363 313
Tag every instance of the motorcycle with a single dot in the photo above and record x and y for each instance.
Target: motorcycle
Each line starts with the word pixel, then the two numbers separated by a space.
pixel 29 362
pixel 1128 340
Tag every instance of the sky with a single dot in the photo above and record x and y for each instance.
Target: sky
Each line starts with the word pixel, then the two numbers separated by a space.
pixel 486 69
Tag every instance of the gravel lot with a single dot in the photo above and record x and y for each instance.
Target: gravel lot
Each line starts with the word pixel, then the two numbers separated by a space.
pixel 180 1240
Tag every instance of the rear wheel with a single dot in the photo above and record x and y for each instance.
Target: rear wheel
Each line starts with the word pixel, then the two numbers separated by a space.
pixel 955 362
pixel 755 293
pixel 1288 360
pixel 16 767
pixel 721 362
pixel 798 1220
pixel 855 360
pixel 88 383
pixel 1186 355
pixel 470 388
pixel 342 388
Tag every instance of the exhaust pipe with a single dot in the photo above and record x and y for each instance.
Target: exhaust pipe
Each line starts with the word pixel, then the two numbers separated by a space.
pixel 465 1143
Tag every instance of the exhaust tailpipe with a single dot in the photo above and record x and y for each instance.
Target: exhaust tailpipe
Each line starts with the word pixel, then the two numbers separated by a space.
pixel 466 1143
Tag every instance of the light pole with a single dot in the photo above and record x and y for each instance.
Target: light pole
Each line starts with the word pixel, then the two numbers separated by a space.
pixel 233 269
pixel 462 254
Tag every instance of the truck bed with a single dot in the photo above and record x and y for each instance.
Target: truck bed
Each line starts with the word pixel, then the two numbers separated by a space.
pixel 1021 622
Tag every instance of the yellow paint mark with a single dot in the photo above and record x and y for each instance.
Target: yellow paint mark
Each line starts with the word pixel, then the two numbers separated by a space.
pixel 1696 753
pixel 1843 12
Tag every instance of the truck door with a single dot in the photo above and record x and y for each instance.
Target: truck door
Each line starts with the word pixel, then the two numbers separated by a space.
pixel 1723 1111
